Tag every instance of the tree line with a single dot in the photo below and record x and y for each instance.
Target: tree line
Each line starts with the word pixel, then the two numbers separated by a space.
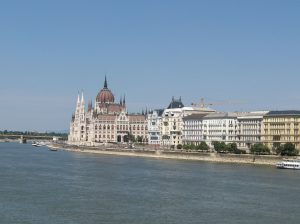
pixel 287 149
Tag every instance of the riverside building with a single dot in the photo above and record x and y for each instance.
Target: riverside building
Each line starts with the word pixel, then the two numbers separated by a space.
pixel 106 122
pixel 172 121
pixel 281 127
pixel 154 126
pixel 192 132
pixel 221 127
pixel 250 128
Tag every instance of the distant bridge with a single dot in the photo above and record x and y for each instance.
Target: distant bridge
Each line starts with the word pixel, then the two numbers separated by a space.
pixel 28 137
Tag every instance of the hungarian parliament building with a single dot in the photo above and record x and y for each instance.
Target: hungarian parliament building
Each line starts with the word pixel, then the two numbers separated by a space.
pixel 106 121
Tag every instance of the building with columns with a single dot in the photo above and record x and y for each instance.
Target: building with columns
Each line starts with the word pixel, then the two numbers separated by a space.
pixel 106 121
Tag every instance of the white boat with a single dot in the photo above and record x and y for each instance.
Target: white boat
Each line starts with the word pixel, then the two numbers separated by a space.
pixel 289 164
pixel 36 144
pixel 52 148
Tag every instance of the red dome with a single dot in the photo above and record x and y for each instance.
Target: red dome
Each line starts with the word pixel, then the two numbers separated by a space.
pixel 105 96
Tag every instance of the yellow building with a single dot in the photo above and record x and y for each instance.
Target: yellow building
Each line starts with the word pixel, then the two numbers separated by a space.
pixel 280 127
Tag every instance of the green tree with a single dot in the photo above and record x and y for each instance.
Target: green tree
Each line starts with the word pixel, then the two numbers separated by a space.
pixel 287 149
pixel 203 146
pixel 259 149
pixel 139 139
pixel 220 147
pixel 185 146
pixel 179 146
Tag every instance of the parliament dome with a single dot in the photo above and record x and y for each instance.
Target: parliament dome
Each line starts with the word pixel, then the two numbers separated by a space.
pixel 105 95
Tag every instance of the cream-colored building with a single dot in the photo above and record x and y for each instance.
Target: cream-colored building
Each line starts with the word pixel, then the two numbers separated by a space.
pixel 172 121
pixel 280 127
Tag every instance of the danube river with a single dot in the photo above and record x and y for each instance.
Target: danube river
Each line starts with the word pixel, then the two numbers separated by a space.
pixel 41 186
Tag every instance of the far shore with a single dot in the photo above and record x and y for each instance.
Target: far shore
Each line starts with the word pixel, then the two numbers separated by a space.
pixel 270 160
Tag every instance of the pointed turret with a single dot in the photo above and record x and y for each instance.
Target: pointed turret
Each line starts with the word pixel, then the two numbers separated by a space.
pixel 121 101
pixel 78 99
pixel 105 83
pixel 90 106
pixel 124 103
pixel 82 98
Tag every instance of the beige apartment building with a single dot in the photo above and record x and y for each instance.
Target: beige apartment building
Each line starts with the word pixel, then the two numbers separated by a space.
pixel 280 127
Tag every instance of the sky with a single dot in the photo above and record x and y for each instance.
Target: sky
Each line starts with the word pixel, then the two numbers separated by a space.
pixel 240 55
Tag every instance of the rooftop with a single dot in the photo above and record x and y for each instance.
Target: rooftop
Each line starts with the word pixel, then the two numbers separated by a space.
pixel 176 103
pixel 283 113
pixel 194 117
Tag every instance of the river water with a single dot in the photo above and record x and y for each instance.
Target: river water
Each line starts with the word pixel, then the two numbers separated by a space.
pixel 40 186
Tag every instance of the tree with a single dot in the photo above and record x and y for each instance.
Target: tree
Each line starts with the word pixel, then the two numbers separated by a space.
pixel 259 149
pixel 139 139
pixel 203 146
pixel 232 148
pixel 185 146
pixel 220 147
pixel 179 146
pixel 287 149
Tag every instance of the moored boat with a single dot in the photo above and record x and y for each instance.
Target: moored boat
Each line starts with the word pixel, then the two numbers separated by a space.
pixel 289 164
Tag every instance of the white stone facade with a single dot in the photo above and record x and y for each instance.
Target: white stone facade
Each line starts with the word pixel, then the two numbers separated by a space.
pixel 154 127
pixel 221 127
pixel 193 129
pixel 250 129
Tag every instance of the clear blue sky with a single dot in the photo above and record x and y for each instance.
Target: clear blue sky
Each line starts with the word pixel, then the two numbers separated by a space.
pixel 151 50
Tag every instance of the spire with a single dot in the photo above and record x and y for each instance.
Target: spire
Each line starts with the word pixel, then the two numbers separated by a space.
pixel 105 83
pixel 120 100
pixel 124 100
pixel 82 98
pixel 78 98
pixel 90 106
pixel 146 112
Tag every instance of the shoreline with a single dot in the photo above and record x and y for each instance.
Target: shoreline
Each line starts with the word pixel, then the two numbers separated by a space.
pixel 269 160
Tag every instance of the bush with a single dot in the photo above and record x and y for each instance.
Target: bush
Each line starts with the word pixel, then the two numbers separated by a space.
pixel 260 149
pixel 203 146
pixel 287 149
pixel 220 147
pixel 179 146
